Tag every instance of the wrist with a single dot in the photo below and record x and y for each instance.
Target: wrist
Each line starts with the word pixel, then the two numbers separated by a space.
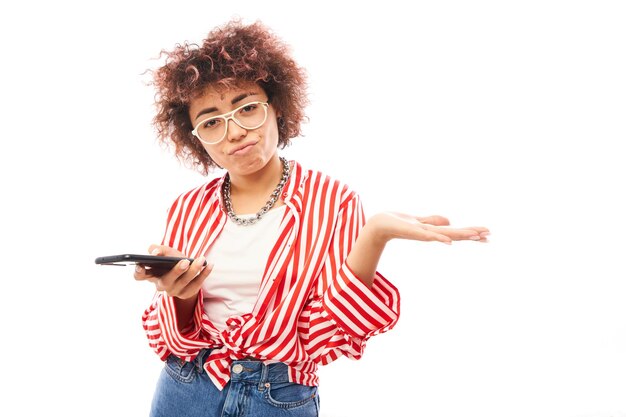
pixel 185 308
pixel 187 300
pixel 374 232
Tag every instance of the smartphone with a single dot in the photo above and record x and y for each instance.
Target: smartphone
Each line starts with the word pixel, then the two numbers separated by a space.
pixel 156 265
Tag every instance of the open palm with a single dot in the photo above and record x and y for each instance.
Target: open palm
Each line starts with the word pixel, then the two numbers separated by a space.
pixel 393 225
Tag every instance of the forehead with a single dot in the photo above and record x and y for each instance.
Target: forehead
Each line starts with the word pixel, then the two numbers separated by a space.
pixel 216 94
pixel 216 99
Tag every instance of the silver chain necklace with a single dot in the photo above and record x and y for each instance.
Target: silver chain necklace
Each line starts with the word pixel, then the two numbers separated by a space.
pixel 270 203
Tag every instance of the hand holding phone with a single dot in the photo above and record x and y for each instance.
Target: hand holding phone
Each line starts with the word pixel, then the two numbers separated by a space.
pixel 164 269
pixel 156 265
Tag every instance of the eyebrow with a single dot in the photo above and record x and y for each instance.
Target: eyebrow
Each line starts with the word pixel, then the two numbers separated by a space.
pixel 235 100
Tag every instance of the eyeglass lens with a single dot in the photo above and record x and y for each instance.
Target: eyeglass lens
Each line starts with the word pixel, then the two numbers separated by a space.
pixel 249 116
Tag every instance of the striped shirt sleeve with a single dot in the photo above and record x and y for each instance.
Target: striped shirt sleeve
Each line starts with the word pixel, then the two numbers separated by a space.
pixel 160 318
pixel 347 313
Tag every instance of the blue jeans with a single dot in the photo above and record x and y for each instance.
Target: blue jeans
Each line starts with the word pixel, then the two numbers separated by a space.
pixel 255 389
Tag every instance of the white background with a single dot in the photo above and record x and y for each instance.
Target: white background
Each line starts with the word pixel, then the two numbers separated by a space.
pixel 497 113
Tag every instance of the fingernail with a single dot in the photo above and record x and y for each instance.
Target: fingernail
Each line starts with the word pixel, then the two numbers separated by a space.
pixel 484 234
pixel 155 251
pixel 184 264
pixel 138 268
pixel 474 237
pixel 201 260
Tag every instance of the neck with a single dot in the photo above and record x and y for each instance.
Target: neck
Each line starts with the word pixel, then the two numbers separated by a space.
pixel 260 182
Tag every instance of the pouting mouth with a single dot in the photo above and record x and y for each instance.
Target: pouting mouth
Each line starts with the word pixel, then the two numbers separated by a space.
pixel 240 147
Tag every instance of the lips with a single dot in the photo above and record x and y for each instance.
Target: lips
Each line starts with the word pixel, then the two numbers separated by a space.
pixel 242 148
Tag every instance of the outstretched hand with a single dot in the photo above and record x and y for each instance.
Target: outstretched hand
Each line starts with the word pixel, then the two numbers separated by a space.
pixel 392 225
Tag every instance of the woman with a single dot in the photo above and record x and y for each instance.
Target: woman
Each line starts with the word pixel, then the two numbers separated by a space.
pixel 291 280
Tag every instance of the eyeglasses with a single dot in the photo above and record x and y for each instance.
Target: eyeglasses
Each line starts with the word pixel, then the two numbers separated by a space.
pixel 249 116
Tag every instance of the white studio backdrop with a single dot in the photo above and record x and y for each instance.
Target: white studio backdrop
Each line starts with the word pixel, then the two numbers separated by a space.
pixel 503 114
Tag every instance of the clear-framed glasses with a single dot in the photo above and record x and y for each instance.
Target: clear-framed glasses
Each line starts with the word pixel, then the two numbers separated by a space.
pixel 249 116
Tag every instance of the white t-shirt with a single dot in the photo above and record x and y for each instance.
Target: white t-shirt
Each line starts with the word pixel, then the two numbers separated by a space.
pixel 239 256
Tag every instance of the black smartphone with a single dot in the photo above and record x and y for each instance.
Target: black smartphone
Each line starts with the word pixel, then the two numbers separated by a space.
pixel 156 265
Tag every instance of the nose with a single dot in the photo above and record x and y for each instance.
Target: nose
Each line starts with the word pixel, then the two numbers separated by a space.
pixel 235 132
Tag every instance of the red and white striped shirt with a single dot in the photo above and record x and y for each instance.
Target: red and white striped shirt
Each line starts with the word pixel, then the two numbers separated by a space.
pixel 310 309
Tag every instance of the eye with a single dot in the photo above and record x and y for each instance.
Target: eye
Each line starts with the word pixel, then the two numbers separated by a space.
pixel 211 123
pixel 248 108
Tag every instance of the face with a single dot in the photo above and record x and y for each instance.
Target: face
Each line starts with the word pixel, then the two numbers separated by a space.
pixel 241 152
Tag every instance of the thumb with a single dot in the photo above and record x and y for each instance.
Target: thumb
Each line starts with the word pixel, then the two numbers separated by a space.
pixel 162 250
pixel 434 220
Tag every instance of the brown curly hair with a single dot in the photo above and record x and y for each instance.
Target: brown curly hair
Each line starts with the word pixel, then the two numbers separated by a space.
pixel 230 55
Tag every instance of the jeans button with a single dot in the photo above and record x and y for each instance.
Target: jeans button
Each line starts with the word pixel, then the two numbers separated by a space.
pixel 237 368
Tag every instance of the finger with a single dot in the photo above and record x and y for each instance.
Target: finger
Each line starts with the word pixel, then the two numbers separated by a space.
pixel 465 233
pixel 483 231
pixel 430 236
pixel 168 280
pixel 454 233
pixel 142 275
pixel 434 220
pixel 195 284
pixel 461 234
pixel 195 268
pixel 143 272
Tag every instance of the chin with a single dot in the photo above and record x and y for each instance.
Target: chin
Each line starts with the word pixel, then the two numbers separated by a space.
pixel 249 165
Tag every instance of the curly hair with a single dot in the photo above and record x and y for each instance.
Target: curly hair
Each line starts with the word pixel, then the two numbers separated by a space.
pixel 230 55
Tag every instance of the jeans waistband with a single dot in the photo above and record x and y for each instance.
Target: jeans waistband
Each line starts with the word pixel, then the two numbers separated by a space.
pixel 252 370
pixel 258 372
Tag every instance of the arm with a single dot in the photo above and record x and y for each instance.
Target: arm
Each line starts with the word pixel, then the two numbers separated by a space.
pixel 164 334
pixel 383 227
pixel 173 321
pixel 185 309
pixel 365 254
pixel 342 312
pixel 355 302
